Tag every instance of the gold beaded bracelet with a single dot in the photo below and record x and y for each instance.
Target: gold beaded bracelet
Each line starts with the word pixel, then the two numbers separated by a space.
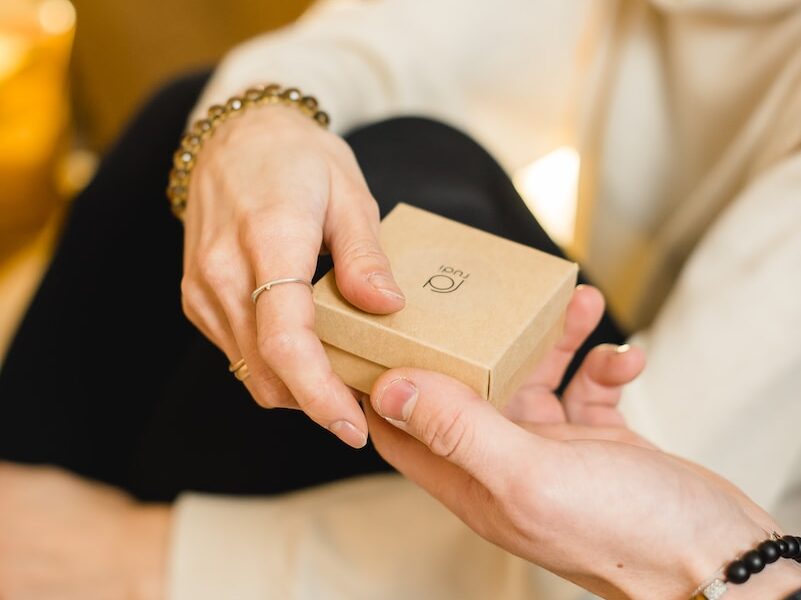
pixel 192 141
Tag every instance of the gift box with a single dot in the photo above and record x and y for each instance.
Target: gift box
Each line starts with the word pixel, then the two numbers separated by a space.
pixel 479 308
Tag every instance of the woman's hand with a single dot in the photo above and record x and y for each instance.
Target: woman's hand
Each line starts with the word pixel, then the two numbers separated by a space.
pixel 570 488
pixel 65 538
pixel 270 190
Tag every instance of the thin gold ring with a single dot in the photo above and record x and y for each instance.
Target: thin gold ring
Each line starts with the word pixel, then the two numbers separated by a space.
pixel 264 287
pixel 239 369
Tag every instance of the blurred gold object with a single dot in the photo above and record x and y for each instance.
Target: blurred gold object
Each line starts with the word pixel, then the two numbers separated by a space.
pixel 35 41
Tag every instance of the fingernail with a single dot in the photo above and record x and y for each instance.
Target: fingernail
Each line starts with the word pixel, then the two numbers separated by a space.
pixel 397 400
pixel 623 349
pixel 348 433
pixel 386 285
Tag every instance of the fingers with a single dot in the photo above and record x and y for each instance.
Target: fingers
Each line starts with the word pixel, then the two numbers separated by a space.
pixel 583 313
pixel 285 245
pixel 362 270
pixel 535 401
pixel 592 396
pixel 453 423
pixel 216 298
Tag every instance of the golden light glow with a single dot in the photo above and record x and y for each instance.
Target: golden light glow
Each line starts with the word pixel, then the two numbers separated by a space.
pixel 56 16
pixel 13 49
pixel 549 186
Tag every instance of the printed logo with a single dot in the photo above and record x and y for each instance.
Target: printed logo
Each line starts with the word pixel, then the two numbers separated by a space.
pixel 446 280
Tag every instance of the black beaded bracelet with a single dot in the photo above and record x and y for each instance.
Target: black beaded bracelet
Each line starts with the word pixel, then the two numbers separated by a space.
pixel 752 562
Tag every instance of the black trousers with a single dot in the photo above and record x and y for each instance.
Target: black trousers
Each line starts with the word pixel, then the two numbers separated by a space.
pixel 106 377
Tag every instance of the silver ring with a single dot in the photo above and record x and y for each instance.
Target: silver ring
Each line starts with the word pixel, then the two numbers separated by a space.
pixel 265 287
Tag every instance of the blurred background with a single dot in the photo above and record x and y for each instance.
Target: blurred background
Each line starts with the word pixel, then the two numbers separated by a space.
pixel 71 74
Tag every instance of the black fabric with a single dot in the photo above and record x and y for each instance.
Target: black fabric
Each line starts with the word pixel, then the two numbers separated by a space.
pixel 106 377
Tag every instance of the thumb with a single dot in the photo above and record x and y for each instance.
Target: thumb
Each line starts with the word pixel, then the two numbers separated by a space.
pixel 453 422
pixel 361 268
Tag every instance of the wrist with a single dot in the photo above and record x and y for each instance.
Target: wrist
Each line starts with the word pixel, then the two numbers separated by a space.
pixel 144 551
pixel 716 550
pixel 771 579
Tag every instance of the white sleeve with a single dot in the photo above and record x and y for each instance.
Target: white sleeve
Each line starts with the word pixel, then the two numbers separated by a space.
pixel 502 70
pixel 723 381
pixel 374 537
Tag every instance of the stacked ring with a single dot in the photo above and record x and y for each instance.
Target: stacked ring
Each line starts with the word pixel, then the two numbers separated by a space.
pixel 239 369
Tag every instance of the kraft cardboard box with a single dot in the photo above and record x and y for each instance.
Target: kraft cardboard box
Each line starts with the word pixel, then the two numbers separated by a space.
pixel 479 308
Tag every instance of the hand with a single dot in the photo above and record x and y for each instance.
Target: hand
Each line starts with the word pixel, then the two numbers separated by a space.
pixel 66 538
pixel 269 191
pixel 591 397
pixel 579 494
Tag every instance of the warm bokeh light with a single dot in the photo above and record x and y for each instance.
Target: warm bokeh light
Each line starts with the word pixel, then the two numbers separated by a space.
pixel 56 16
pixel 12 52
pixel 549 187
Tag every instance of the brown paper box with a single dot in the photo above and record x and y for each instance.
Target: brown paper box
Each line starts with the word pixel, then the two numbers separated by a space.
pixel 479 308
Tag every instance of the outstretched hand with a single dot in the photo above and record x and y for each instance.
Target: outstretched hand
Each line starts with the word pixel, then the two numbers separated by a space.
pixel 270 190
pixel 569 486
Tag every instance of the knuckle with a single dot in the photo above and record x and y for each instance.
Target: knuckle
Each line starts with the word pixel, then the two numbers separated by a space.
pixel 190 299
pixel 269 397
pixel 448 434
pixel 278 345
pixel 270 391
pixel 318 405
pixel 363 249
pixel 214 266
pixel 373 210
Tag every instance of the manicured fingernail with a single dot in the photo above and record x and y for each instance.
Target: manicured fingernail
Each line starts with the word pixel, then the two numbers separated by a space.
pixel 386 285
pixel 623 349
pixel 348 433
pixel 397 400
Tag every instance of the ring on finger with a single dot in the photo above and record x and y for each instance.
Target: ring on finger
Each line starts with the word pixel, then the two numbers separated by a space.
pixel 265 287
pixel 239 369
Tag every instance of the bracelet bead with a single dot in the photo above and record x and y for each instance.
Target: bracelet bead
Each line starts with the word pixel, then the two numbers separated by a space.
pixel 291 95
pixel 753 561
pixel 750 563
pixel 792 546
pixel 185 157
pixel 253 95
pixel 184 160
pixel 233 106
pixel 737 572
pixel 202 128
pixel 215 112
pixel 769 551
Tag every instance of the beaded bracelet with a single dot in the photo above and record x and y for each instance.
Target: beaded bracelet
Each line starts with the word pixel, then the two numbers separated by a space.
pixel 202 129
pixel 754 561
